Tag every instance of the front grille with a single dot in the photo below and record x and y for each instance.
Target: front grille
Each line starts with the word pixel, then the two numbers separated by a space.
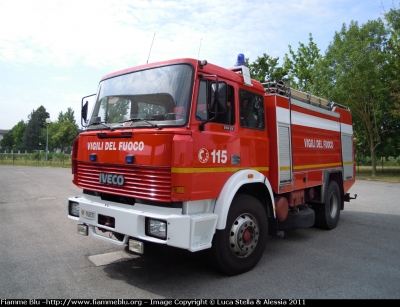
pixel 151 183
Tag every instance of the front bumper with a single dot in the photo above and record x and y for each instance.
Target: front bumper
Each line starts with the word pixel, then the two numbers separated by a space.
pixel 188 231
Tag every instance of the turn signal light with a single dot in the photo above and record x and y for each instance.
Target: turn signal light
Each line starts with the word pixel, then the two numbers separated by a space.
pixel 178 190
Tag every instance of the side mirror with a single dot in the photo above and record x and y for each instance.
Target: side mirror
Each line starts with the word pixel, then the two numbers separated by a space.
pixel 84 110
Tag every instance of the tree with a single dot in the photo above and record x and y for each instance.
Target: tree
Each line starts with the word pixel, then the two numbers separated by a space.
pixel 18 134
pixel 13 138
pixel 391 127
pixel 301 67
pixel 265 69
pixel 33 132
pixel 54 127
pixel 67 116
pixel 64 130
pixel 354 70
pixel 393 26
pixel 8 140
pixel 66 134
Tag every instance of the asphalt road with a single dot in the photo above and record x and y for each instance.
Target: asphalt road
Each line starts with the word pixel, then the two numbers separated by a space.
pixel 42 256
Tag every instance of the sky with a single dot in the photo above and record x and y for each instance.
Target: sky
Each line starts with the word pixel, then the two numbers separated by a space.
pixel 53 53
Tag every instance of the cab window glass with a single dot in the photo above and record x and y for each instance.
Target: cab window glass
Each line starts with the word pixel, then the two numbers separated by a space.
pixel 203 110
pixel 251 110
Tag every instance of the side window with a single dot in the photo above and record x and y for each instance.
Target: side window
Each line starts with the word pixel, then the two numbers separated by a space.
pixel 251 110
pixel 203 112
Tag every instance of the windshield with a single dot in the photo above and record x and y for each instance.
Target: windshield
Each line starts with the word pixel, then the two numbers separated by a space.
pixel 154 97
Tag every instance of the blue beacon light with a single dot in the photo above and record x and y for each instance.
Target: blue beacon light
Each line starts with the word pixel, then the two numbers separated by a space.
pixel 240 60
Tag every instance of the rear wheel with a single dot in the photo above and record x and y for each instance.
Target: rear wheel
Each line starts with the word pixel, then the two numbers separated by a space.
pixel 327 214
pixel 239 247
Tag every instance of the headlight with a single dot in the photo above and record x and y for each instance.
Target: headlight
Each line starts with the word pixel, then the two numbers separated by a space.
pixel 74 209
pixel 156 228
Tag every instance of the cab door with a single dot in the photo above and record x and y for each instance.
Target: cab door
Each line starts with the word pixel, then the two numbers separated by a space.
pixel 216 145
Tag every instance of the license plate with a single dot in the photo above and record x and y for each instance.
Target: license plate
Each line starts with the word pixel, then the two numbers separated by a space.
pixel 91 215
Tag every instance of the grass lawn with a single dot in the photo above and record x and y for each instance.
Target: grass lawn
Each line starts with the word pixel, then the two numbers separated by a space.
pixel 385 173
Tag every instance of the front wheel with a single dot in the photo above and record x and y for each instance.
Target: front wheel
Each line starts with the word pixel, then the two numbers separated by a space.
pixel 239 247
pixel 327 214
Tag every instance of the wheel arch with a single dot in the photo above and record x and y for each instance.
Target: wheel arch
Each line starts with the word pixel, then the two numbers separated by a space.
pixel 249 182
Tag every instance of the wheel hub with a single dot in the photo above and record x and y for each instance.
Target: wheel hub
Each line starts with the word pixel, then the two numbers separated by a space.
pixel 244 235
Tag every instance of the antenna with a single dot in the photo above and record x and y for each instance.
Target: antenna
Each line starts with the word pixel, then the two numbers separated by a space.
pixel 150 48
pixel 199 49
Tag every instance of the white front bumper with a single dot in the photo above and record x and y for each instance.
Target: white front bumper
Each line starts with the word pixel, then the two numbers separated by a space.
pixel 193 232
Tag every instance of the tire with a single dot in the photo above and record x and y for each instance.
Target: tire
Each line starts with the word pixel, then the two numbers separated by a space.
pixel 327 214
pixel 239 247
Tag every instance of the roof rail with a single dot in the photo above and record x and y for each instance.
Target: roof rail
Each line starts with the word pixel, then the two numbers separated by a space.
pixel 282 89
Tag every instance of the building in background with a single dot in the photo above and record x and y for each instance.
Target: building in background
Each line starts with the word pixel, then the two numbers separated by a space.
pixel 2 133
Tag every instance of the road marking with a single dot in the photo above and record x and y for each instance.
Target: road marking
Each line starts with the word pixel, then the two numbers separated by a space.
pixel 115 257
pixel 46 198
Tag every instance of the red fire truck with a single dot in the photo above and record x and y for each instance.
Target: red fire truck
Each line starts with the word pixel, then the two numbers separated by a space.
pixel 200 157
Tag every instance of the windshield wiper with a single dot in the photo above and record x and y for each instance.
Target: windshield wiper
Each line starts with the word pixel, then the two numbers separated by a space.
pixel 100 123
pixel 146 121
